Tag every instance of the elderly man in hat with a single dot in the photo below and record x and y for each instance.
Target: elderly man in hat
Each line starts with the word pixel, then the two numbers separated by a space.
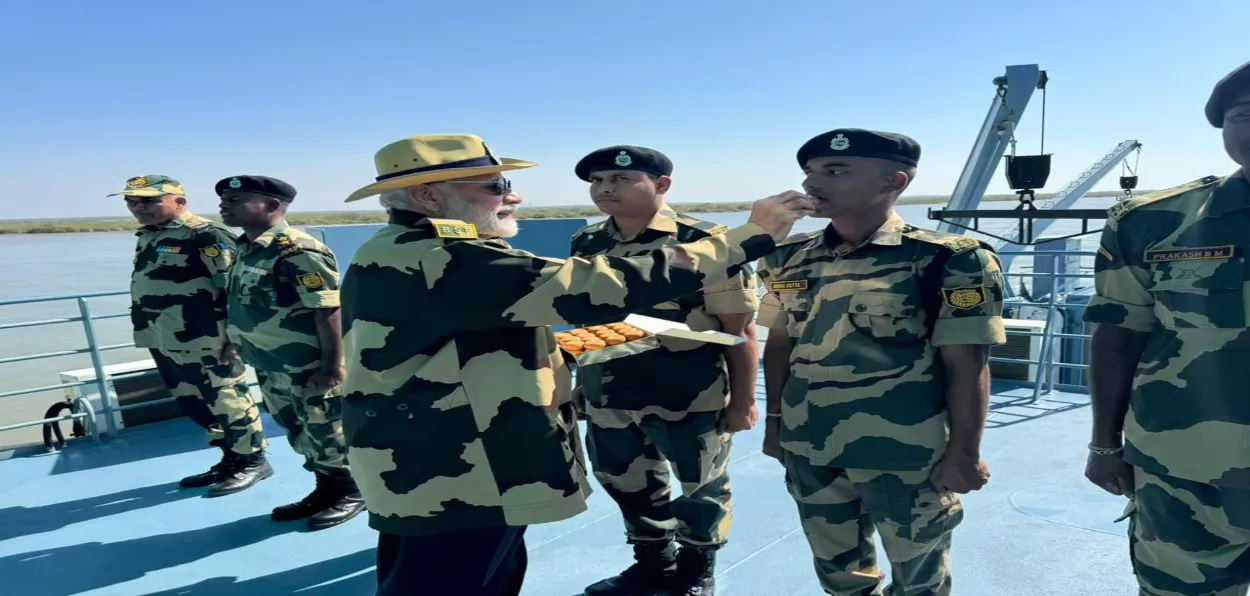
pixel 876 369
pixel 457 404
pixel 178 310
pixel 284 319
pixel 674 407
pixel 1168 375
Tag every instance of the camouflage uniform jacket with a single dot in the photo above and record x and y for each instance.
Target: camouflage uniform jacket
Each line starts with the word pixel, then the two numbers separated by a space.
pixel 280 279
pixel 695 375
pixel 867 387
pixel 456 405
pixel 1173 265
pixel 178 286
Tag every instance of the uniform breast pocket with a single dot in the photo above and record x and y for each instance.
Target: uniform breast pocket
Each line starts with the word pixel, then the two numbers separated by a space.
pixel 172 259
pixel 1199 294
pixel 886 317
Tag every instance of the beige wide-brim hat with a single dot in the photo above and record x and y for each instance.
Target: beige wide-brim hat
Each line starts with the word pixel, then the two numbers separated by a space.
pixel 433 158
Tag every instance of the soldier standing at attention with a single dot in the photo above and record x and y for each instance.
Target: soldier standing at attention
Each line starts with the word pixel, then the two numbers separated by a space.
pixel 673 406
pixel 876 369
pixel 178 309
pixel 1168 372
pixel 284 318
pixel 457 405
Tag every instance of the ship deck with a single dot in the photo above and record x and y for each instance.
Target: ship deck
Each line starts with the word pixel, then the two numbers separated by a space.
pixel 110 520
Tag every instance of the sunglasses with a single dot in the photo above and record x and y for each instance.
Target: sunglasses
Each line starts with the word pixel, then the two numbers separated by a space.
pixel 498 186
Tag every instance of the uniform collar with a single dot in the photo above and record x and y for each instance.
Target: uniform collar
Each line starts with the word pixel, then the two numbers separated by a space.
pixel 664 220
pixel 268 236
pixel 1231 194
pixel 421 222
pixel 183 219
pixel 889 234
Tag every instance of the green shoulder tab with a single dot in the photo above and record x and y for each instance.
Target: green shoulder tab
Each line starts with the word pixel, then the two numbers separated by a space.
pixel 956 243
pixel 454 229
pixel 707 227
pixel 1122 208
pixel 590 229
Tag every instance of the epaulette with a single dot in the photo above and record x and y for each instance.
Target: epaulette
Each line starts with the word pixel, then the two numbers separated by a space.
pixel 707 227
pixel 196 224
pixel 1119 210
pixel 956 243
pixel 590 229
pixel 453 229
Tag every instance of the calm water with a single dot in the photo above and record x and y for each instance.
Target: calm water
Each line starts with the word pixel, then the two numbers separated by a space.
pixel 60 264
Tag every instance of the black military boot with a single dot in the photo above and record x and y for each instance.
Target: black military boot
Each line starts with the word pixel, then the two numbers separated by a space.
pixel 346 504
pixel 213 475
pixel 696 572
pixel 652 574
pixel 240 473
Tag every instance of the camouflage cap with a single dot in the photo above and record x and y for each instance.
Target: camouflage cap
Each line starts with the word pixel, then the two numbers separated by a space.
pixel 153 185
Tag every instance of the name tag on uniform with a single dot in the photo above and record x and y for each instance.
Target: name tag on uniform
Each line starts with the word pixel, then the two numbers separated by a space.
pixel 169 249
pixel 787 286
pixel 1199 253
pixel 256 270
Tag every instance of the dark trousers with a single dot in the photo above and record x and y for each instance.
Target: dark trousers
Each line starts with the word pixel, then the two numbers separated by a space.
pixel 487 562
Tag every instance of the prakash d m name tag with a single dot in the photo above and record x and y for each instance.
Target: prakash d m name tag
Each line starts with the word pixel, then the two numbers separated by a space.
pixel 1198 253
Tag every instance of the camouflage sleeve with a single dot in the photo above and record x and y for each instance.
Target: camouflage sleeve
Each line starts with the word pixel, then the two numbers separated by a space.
pixel 486 287
pixel 216 248
pixel 733 296
pixel 314 275
pixel 771 316
pixel 971 310
pixel 1120 282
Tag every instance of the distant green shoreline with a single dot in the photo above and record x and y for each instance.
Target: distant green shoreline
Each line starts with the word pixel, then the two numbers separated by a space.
pixel 125 224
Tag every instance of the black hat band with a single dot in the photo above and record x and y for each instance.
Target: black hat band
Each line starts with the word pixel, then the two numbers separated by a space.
pixel 472 162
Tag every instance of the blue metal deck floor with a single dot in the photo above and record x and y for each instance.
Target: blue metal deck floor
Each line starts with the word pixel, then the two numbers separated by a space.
pixel 111 521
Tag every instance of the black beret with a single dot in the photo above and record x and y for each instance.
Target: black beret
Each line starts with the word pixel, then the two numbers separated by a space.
pixel 261 185
pixel 1227 90
pixel 624 157
pixel 857 142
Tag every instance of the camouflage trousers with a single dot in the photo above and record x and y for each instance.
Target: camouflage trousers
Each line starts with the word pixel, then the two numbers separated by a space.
pixel 311 417
pixel 1188 538
pixel 631 455
pixel 215 396
pixel 840 508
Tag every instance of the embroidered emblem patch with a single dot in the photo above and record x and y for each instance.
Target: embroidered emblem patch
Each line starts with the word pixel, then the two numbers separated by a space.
pixel 311 281
pixel 964 298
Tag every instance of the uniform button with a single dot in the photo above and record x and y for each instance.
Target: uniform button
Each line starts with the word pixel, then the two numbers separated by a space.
pixel 401 407
pixel 860 308
pixel 371 414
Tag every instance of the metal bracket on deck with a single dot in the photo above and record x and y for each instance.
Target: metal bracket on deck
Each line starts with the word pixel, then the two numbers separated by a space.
pixel 1024 215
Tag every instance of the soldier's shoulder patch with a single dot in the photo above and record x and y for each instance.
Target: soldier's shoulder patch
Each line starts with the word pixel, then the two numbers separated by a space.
pixel 1122 208
pixel 956 243
pixel 212 251
pixel 707 227
pixel 964 298
pixel 454 229
pixel 311 281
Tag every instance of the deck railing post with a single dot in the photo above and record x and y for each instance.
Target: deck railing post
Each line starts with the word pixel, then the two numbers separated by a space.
pixel 1044 368
pixel 106 395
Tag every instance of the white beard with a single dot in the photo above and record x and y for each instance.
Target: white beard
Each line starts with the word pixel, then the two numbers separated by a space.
pixel 488 223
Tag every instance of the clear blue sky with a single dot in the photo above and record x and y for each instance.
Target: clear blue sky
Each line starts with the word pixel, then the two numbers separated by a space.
pixel 93 92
